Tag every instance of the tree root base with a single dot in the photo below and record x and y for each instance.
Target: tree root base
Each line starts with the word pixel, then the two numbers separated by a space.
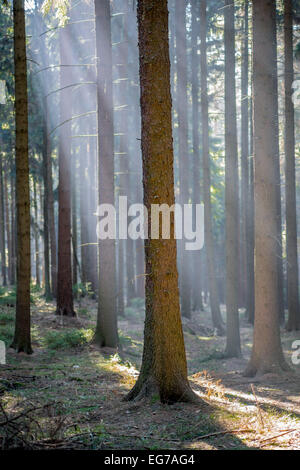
pixel 145 389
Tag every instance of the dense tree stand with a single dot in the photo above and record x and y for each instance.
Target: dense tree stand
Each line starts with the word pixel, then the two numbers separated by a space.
pixel 164 368
pixel 267 355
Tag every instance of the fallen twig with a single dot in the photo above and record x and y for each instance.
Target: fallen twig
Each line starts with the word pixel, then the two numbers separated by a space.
pixel 266 441
pixel 258 407
pixel 229 431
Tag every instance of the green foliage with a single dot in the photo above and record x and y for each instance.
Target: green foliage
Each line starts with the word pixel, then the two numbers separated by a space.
pixel 124 339
pixel 7 327
pixel 8 296
pixel 83 289
pixel 6 317
pixel 60 8
pixel 66 339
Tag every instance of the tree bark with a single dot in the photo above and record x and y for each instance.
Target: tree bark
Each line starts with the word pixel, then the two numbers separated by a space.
pixel 233 343
pixel 2 227
pixel 22 339
pixel 64 301
pixel 293 322
pixel 209 242
pixel 36 236
pixel 267 355
pixel 164 368
pixel 183 155
pixel 106 330
pixel 197 256
pixel 244 237
pixel 46 202
pixel 74 221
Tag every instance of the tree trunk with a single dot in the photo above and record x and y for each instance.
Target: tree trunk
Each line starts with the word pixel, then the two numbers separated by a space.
pixel 197 258
pixel 233 344
pixel 83 185
pixel 64 276
pixel 50 204
pixel 250 225
pixel 164 369
pixel 22 340
pixel 74 221
pixel 267 355
pixel 7 224
pixel 276 153
pixel 46 203
pixel 106 330
pixel 293 322
pixel 244 238
pixel 209 242
pixel 183 156
pixel 36 235
pixel 13 225
pixel 2 227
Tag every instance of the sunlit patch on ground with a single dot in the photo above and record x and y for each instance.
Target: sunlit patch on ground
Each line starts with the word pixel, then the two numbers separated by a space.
pixel 76 391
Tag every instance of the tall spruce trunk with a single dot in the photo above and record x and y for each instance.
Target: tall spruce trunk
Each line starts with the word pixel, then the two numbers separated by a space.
pixel 7 222
pixel 22 339
pixel 197 256
pixel 233 344
pixel 250 225
pixel 74 221
pixel 183 155
pixel 64 301
pixel 209 242
pixel 106 329
pixel 36 235
pixel 244 235
pixel 50 205
pixel 164 368
pixel 293 322
pixel 45 203
pixel 2 227
pixel 267 355
pixel 13 225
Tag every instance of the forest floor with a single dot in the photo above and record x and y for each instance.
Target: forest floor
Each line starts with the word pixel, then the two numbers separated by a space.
pixel 69 393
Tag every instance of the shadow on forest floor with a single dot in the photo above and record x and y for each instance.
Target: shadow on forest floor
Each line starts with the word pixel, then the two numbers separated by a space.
pixel 78 391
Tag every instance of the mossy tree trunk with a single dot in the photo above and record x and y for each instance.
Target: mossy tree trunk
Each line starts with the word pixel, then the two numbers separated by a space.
pixel 164 368
pixel 22 340
pixel 267 355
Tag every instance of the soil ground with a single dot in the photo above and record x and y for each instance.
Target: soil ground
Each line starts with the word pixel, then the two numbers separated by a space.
pixel 70 394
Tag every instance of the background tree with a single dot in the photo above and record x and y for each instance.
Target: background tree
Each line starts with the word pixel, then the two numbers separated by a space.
pixel 209 242
pixel 64 299
pixel 267 352
pixel 106 330
pixel 233 346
